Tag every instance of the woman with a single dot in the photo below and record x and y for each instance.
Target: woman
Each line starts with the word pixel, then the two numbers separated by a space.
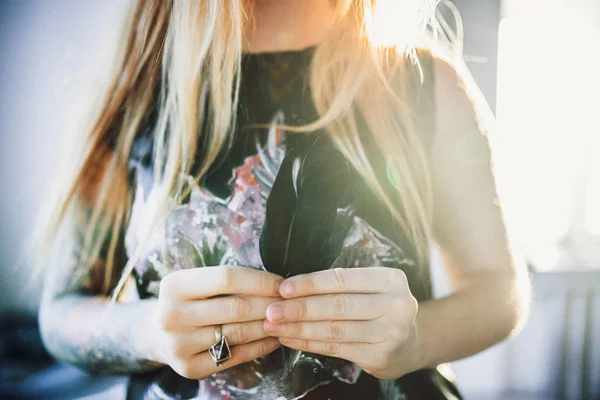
pixel 300 140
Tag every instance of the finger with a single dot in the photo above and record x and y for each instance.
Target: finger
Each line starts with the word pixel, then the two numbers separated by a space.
pixel 329 331
pixel 202 365
pixel 201 283
pixel 358 353
pixel 345 280
pixel 198 340
pixel 221 310
pixel 244 332
pixel 329 307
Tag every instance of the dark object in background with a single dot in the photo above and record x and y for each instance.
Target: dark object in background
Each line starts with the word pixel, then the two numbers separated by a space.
pixel 27 371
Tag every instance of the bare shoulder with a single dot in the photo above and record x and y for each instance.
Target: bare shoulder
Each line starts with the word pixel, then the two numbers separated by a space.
pixel 467 223
pixel 457 96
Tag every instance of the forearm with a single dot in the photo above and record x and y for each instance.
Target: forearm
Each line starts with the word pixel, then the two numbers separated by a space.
pixel 84 331
pixel 483 312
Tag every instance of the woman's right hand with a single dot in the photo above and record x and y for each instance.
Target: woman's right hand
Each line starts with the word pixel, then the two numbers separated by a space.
pixel 185 317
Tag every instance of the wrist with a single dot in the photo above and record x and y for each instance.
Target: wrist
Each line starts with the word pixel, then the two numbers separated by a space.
pixel 145 331
pixel 413 357
pixel 419 359
pixel 420 348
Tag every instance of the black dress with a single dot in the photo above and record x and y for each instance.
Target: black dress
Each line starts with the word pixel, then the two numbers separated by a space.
pixel 287 203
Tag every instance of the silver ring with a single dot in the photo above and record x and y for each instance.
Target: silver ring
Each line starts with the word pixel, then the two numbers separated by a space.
pixel 218 333
pixel 220 350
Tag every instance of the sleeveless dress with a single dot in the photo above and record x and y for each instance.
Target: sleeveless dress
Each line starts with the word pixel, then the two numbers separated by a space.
pixel 287 203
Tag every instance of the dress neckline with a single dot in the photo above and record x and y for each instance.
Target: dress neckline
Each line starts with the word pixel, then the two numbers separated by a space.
pixel 306 51
pixel 278 81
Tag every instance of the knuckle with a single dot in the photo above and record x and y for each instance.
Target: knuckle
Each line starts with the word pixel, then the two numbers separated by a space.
pixel 301 308
pixel 340 278
pixel 240 306
pixel 263 347
pixel 169 318
pixel 263 284
pixel 332 347
pixel 225 278
pixel 296 329
pixel 342 305
pixel 397 304
pixel 266 284
pixel 165 287
pixel 239 334
pixel 235 307
pixel 414 304
pixel 306 284
pixel 406 305
pixel 254 350
pixel 396 277
pixel 336 331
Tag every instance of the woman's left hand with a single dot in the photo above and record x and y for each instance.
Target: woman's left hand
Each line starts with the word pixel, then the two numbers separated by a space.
pixel 364 315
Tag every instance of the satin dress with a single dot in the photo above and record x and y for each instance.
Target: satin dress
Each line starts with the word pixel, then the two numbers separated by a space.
pixel 287 203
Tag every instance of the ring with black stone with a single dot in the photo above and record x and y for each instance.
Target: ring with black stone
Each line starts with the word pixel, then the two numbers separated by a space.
pixel 220 350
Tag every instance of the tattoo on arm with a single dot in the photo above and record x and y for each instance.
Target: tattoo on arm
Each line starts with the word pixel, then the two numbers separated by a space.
pixel 80 327
pixel 81 335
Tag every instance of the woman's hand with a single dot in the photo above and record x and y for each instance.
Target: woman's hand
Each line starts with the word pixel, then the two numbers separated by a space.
pixel 364 315
pixel 185 317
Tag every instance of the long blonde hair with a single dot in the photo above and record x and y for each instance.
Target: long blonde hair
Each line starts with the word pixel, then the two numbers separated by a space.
pixel 192 51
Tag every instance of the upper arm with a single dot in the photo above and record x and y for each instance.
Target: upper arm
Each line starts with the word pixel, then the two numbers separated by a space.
pixel 65 273
pixel 467 221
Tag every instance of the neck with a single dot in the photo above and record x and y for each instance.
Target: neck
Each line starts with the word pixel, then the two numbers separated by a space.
pixel 280 25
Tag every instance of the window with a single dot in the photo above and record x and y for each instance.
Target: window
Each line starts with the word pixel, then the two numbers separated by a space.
pixel 547 150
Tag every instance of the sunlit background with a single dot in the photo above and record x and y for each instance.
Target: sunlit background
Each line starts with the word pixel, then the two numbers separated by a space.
pixel 536 61
pixel 548 151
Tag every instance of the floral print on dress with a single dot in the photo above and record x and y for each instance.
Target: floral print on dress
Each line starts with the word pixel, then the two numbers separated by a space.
pixel 211 231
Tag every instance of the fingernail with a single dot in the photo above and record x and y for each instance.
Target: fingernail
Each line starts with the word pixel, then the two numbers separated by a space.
pixel 275 312
pixel 278 284
pixel 286 288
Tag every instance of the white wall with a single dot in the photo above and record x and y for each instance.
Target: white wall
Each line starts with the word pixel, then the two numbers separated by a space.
pixel 50 53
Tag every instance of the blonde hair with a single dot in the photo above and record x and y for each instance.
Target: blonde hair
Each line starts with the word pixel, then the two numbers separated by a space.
pixel 192 51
